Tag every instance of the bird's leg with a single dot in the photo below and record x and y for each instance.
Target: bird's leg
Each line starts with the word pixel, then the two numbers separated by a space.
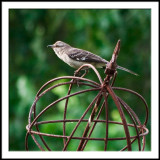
pixel 86 71
pixel 77 73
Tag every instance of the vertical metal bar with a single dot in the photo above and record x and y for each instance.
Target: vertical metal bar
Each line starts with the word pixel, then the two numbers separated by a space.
pixel 121 115
pixel 94 125
pixel 39 131
pixel 106 110
pixel 65 111
pixel 126 107
pixel 89 122
pixel 81 120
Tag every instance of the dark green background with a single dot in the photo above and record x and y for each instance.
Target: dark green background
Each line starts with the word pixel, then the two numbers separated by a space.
pixel 31 64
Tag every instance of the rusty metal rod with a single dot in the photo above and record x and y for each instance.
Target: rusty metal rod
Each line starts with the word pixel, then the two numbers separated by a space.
pixel 86 138
pixel 132 118
pixel 39 131
pixel 81 120
pixel 65 110
pixel 94 111
pixel 66 103
pixel 137 94
pixel 60 99
pixel 121 115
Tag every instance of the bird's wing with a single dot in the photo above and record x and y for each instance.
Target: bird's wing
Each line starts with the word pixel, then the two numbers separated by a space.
pixel 84 56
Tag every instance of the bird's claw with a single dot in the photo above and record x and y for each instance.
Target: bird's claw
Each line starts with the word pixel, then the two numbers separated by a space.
pixel 77 73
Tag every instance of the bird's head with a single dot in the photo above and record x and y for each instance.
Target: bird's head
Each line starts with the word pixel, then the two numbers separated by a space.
pixel 58 44
pixel 59 47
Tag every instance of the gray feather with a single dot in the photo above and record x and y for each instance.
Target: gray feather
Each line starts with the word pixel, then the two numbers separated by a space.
pixel 84 56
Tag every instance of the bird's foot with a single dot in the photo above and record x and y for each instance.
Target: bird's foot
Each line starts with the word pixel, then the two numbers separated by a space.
pixel 78 74
pixel 86 71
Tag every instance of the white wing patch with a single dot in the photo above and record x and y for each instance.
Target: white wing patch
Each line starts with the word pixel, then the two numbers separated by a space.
pixel 83 58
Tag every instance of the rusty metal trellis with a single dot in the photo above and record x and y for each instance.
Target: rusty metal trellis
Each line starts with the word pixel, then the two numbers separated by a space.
pixel 104 88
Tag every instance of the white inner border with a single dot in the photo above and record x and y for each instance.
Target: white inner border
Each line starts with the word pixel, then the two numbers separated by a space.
pixel 154 70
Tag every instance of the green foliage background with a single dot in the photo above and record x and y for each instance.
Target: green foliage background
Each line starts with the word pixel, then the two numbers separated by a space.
pixel 31 64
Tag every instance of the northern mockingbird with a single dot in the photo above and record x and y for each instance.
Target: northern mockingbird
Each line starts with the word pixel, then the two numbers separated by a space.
pixel 75 57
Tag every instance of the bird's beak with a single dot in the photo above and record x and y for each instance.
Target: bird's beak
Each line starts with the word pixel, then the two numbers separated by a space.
pixel 52 46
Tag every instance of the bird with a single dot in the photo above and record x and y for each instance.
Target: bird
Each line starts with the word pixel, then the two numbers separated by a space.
pixel 76 57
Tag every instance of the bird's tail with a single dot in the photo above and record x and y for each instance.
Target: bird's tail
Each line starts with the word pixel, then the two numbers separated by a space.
pixel 127 70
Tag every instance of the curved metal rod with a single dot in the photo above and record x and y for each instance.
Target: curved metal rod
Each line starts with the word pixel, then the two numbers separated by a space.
pixel 26 141
pixel 143 141
pixel 83 91
pixel 94 69
pixel 60 84
pixel 66 104
pixel 86 120
pixel 39 146
pixel 66 77
pixel 146 106
pixel 93 125
pixel 83 142
pixel 123 149
pixel 91 117
pixel 147 131
pixel 137 94
pixel 44 92
pixel 64 83
pixel 106 110
pixel 112 83
pixel 60 99
pixel 132 118
pixel 81 120
pixel 86 138
pixel 137 119
pixel 34 104
pixel 133 113
pixel 65 111
pixel 121 115
pixel 44 142
pixel 37 98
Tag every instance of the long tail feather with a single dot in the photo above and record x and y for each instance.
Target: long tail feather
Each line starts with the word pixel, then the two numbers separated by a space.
pixel 127 70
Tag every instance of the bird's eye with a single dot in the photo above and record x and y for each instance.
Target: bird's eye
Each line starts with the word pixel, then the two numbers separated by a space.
pixel 59 45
